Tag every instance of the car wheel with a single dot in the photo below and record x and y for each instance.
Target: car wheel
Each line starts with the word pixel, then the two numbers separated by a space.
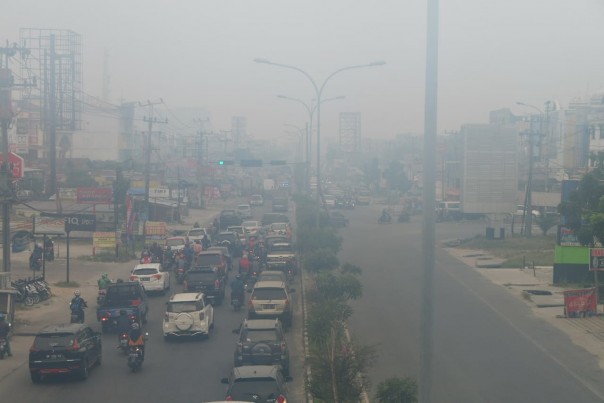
pixel 84 371
pixel 35 377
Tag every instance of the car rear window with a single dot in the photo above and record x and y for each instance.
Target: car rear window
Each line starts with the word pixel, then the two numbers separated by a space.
pixel 52 341
pixel 269 293
pixel 144 272
pixel 208 260
pixel 270 277
pixel 201 275
pixel 226 237
pixel 280 248
pixel 260 389
pixel 178 307
pixel 197 232
pixel 118 295
pixel 258 335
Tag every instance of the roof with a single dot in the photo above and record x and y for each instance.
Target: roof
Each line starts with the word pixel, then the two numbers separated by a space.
pixel 186 296
pixel 63 328
pixel 256 371
pixel 270 284
pixel 209 252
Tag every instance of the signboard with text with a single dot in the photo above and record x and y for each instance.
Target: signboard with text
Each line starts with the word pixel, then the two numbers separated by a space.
pixel 156 229
pixel 49 225
pixel 103 240
pixel 75 222
pixel 596 259
pixel 159 193
pixel 580 303
pixel 94 195
pixel 15 163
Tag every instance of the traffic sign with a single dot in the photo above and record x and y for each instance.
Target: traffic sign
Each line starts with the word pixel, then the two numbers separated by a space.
pixel 16 164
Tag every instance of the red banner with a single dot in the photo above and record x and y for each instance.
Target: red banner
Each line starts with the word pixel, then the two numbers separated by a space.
pixel 94 195
pixel 580 303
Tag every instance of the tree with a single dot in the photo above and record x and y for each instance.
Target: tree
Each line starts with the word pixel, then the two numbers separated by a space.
pixel 547 221
pixel 320 259
pixel 397 390
pixel 396 177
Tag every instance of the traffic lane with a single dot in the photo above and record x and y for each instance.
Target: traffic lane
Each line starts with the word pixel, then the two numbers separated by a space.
pixel 392 283
pixel 182 370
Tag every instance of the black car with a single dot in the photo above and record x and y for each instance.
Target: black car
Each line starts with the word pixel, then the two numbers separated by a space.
pixel 228 218
pixel 205 280
pixel 262 342
pixel 260 383
pixel 230 240
pixel 338 219
pixel 64 349
pixel 271 218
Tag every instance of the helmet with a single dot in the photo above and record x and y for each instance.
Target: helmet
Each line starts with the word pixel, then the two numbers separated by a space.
pixel 105 275
pixel 135 326
pixel 77 293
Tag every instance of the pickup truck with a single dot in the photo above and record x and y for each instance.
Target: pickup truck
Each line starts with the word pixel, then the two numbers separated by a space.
pixel 281 256
pixel 128 296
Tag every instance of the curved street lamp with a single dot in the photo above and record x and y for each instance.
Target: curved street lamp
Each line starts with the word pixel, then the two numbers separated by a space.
pixel 318 93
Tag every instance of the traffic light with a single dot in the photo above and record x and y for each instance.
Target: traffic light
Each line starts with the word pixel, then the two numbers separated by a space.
pixel 251 163
pixel 225 162
pixel 278 162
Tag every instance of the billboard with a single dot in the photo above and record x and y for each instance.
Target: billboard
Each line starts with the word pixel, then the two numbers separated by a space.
pixel 49 225
pixel 580 303
pixel 94 195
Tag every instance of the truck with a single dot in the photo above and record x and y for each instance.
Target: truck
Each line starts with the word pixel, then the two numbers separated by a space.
pixel 127 296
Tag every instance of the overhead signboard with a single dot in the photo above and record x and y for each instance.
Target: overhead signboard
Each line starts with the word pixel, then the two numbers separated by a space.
pixel 49 225
pixel 94 195
pixel 75 222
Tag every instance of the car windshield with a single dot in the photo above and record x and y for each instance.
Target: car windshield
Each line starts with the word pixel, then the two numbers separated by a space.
pixel 197 232
pixel 208 260
pixel 269 294
pixel 279 226
pixel 185 306
pixel 270 277
pixel 256 335
pixel 280 248
pixel 144 272
pixel 225 237
pixel 175 242
pixel 254 388
pixel 238 230
pixel 54 340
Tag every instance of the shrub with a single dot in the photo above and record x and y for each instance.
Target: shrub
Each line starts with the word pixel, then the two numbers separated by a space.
pixel 397 390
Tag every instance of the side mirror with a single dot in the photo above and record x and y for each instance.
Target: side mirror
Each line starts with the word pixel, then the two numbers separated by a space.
pixel 225 381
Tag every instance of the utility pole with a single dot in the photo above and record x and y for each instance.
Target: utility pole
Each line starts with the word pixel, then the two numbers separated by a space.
pixel 6 116
pixel 150 120
pixel 200 159
pixel 52 115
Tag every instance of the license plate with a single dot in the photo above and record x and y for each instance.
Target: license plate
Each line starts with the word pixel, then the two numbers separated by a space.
pixel 268 306
pixel 56 356
pixel 145 278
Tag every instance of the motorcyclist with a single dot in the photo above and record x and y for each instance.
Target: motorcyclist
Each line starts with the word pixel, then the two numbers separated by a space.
pixel 77 305
pixel 189 253
pixel 136 338
pixel 104 281
pixel 385 216
pixel 35 257
pixel 237 289
pixel 244 265
pixel 4 330
pixel 205 242
pixel 123 324
pixel 156 251
pixel 49 249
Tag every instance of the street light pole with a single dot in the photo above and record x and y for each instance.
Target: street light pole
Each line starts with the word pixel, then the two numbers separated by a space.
pixel 318 93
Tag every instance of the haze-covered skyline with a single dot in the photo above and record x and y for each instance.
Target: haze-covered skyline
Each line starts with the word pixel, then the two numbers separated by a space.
pixel 200 54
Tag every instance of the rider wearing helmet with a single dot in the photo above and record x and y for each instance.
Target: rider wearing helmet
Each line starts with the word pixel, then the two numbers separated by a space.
pixel 136 338
pixel 237 288
pixel 4 330
pixel 77 305
pixel 104 281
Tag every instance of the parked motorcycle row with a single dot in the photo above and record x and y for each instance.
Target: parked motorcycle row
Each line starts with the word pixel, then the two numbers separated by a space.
pixel 31 291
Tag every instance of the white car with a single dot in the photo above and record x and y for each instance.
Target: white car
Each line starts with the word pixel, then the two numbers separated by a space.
pixel 196 234
pixel 188 314
pixel 256 200
pixel 251 227
pixel 245 211
pixel 330 201
pixel 151 277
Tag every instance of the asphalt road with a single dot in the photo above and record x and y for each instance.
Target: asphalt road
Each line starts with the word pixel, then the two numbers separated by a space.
pixel 488 347
pixel 173 371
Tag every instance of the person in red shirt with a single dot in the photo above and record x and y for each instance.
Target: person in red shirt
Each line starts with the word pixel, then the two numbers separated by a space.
pixel 244 265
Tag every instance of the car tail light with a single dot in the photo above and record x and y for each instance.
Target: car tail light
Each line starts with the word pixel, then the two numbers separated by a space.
pixel 202 315
pixel 229 398
pixel 157 276
pixel 75 346
pixel 283 346
pixel 133 278
pixel 132 317
pixel 33 348
pixel 185 286
pixel 281 399
pixel 216 284
pixel 287 303
pixel 181 270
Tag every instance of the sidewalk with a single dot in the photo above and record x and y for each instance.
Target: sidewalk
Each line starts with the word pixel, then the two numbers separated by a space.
pixel 527 284
pixel 29 320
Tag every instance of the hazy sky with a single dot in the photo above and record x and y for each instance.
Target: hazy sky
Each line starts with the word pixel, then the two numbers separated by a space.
pixel 199 53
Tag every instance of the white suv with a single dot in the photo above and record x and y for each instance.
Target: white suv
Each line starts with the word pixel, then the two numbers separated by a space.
pixel 188 314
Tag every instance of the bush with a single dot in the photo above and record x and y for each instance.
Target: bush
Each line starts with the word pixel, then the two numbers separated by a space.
pixel 312 239
pixel 397 390
pixel 321 259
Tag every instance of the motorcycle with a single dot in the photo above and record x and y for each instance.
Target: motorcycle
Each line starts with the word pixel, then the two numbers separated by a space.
pixel 124 343
pixel 49 251
pixel 100 298
pixel 180 275
pixel 384 219
pixel 236 302
pixel 35 263
pixel 77 314
pixel 135 358
pixel 290 275
pixel 3 348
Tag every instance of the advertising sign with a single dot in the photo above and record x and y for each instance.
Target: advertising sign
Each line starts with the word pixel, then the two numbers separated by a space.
pixel 94 195
pixel 596 259
pixel 49 225
pixel 159 193
pixel 68 193
pixel 567 237
pixel 75 222
pixel 16 164
pixel 580 303
pixel 103 240
pixel 156 229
